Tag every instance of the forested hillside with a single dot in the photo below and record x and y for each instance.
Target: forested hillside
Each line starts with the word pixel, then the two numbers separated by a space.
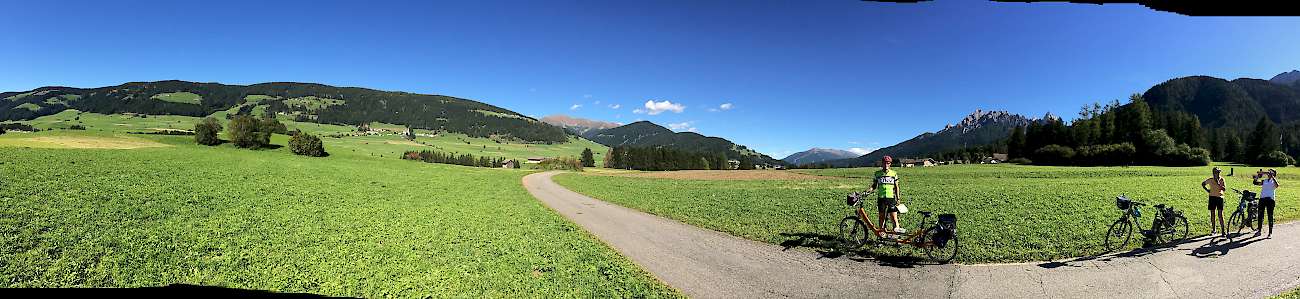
pixel 301 101
pixel 645 134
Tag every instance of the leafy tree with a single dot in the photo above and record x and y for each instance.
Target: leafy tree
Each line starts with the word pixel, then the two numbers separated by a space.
pixel 1054 154
pixel 270 125
pixel 1274 159
pixel 246 132
pixel 205 131
pixel 588 160
pixel 2 130
pixel 307 145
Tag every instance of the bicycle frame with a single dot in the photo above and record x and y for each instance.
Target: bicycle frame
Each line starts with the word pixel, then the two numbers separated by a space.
pixel 911 239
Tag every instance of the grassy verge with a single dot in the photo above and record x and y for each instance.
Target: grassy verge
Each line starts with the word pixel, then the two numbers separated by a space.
pixel 343 225
pixel 1007 213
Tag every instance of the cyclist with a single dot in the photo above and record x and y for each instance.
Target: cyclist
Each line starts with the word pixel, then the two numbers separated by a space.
pixel 1215 186
pixel 1267 193
pixel 885 186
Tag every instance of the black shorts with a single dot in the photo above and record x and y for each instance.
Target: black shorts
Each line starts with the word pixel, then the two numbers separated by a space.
pixel 1216 203
pixel 887 205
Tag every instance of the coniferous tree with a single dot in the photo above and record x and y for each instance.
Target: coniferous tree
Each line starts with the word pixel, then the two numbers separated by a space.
pixel 588 160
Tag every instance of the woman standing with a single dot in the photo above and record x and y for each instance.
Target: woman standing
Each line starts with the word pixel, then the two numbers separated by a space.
pixel 1267 193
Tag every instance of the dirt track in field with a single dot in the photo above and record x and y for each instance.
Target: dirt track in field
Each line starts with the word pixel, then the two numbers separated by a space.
pixel 708 264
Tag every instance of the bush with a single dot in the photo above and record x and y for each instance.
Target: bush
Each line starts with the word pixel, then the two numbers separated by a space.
pixel 1053 154
pixel 245 132
pixel 1183 155
pixel 565 163
pixel 307 145
pixel 1105 155
pixel 77 127
pixel 2 130
pixel 1274 159
pixel 205 132
pixel 1022 161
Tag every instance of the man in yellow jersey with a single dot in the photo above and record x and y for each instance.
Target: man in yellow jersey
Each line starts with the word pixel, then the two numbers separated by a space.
pixel 1215 186
pixel 885 186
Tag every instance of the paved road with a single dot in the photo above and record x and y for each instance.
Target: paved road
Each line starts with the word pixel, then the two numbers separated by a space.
pixel 708 264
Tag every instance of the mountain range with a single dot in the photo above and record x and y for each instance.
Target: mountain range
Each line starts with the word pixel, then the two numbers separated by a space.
pixel 578 126
pixel 818 155
pixel 302 101
pixel 648 134
pixel 978 128
pixel 1235 105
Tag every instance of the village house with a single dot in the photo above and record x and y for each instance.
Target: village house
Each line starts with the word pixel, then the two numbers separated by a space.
pixel 923 162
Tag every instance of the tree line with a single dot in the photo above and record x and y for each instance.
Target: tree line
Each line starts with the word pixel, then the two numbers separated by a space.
pixel 661 158
pixel 1136 134
pixel 429 156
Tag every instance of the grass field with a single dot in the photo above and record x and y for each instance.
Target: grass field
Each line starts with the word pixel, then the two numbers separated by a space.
pixel 179 97
pixel 351 224
pixel 1293 294
pixel 1006 213
pixel 386 146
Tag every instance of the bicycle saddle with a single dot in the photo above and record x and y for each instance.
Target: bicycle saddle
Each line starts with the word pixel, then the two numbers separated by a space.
pixel 924 213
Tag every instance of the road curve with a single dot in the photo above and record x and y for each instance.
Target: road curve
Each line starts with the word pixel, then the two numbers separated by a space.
pixel 708 264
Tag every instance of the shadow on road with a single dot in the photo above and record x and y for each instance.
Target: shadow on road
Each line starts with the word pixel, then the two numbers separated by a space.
pixel 1215 249
pixel 1147 249
pixel 831 247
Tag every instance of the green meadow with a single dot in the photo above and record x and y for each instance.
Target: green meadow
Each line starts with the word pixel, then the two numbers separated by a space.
pixel 1006 213
pixel 389 145
pixel 103 208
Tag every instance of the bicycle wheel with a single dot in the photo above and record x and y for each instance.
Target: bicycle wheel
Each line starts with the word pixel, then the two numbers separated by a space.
pixel 1253 221
pixel 1177 231
pixel 940 254
pixel 854 232
pixel 1118 235
pixel 1235 221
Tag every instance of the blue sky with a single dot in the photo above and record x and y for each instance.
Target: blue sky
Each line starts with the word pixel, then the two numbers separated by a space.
pixel 797 74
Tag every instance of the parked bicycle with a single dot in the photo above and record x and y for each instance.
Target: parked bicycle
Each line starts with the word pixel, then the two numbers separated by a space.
pixel 1167 225
pixel 1247 210
pixel 938 238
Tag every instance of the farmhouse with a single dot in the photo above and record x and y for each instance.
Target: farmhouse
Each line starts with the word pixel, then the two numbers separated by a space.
pixel 923 162
pixel 535 160
pixel 509 164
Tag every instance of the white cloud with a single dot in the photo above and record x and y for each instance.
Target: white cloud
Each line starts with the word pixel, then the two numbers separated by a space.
pixel 682 126
pixel 654 108
pixel 615 106
pixel 854 142
pixel 861 151
pixel 725 106
pixel 596 103
pixel 713 109
pixel 575 107
pixel 586 96
pixel 638 111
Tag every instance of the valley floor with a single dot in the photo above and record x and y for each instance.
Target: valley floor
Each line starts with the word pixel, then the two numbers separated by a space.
pixel 351 224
